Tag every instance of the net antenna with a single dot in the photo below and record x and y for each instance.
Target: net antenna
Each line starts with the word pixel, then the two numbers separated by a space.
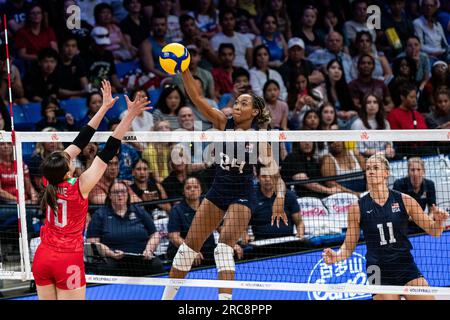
pixel 13 138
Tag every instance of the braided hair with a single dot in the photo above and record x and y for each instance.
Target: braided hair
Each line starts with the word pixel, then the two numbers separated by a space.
pixel 263 116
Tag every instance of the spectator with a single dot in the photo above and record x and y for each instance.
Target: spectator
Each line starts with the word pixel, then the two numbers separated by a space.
pixel 222 75
pixel 308 31
pixel 301 99
pixel 335 91
pixel 405 117
pixel 192 36
pixel 311 120
pixel 328 116
pixel 242 45
pixel 273 40
pixel 17 89
pixel 413 51
pixel 443 17
pixel 99 194
pixel 440 77
pixel 261 72
pixel 430 32
pixel 331 21
pixel 180 220
pixel 186 119
pixel 341 161
pixel 169 103
pixel 439 117
pixel 5 118
pixel 16 14
pixel 279 10
pixel 146 188
pixel 100 62
pixel 135 26
pixel 41 151
pixel 302 164
pixel 296 64
pixel 35 35
pixel 404 72
pixel 43 81
pixel 245 21
pixel 352 27
pixel 261 220
pixel 169 9
pixel 206 17
pixel 81 34
pixel 396 27
pixel 334 44
pixel 72 72
pixel 120 46
pixel 372 118
pixel 94 101
pixel 87 155
pixel 365 83
pixel 196 70
pixel 173 184
pixel 415 184
pixel 278 109
pixel 157 154
pixel 364 45
pixel 51 116
pixel 8 180
pixel 127 155
pixel 126 235
pixel 150 49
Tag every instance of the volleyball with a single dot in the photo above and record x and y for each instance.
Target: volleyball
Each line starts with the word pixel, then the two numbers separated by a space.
pixel 174 58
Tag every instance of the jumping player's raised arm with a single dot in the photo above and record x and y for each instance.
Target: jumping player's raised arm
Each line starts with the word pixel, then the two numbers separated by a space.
pixel 91 176
pixel 433 227
pixel 88 131
pixel 216 117
pixel 351 238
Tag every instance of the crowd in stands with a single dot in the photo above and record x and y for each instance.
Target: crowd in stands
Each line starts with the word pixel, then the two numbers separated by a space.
pixel 316 63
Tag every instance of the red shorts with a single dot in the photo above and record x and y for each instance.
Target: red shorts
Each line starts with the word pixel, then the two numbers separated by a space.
pixel 63 269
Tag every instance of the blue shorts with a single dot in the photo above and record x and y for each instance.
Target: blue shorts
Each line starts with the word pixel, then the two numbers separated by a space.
pixel 222 199
pixel 399 274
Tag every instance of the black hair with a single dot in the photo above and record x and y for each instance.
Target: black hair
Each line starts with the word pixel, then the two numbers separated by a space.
pixel 256 50
pixel 240 72
pixel 361 33
pixel 126 3
pixel 158 16
pixel 47 53
pixel 293 91
pixel 379 117
pixel 306 115
pixel 413 36
pixel 343 94
pixel 259 103
pixel 411 64
pixel 5 115
pixel 268 83
pixel 167 90
pixel 108 201
pixel 265 16
pixel 185 18
pixel 322 107
pixel 90 95
pixel 135 163
pixel 99 7
pixel 356 2
pixel 193 177
pixel 406 88
pixel 46 102
pixel 226 46
pixel 365 55
pixel 54 168
pixel 68 38
pixel 224 12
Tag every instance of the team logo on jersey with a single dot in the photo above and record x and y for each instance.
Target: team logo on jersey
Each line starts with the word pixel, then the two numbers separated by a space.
pixel 395 207
pixel 351 271
pixel 132 216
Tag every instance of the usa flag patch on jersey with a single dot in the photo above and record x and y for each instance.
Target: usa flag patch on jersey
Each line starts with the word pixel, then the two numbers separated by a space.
pixel 395 207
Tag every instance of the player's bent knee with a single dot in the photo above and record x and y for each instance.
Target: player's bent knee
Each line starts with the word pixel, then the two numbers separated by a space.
pixel 184 258
pixel 224 257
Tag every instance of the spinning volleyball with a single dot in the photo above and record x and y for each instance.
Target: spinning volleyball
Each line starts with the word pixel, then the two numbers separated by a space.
pixel 174 58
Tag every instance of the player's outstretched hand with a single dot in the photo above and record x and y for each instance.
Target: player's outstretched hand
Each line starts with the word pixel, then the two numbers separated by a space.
pixel 278 212
pixel 329 256
pixel 108 100
pixel 439 214
pixel 137 106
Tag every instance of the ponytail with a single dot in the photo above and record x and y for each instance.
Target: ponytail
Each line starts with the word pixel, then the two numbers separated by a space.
pixel 49 199
pixel 263 116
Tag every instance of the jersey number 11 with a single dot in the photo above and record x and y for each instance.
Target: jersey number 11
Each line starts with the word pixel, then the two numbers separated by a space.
pixel 391 234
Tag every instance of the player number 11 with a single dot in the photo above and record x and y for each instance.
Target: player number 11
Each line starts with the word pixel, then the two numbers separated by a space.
pixel 391 234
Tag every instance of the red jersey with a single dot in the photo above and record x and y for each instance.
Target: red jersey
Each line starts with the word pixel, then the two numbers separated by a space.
pixel 64 232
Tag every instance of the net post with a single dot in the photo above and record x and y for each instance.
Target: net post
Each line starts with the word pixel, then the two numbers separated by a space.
pixel 23 230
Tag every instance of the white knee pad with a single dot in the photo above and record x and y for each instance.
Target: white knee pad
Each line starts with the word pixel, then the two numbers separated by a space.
pixel 184 258
pixel 224 257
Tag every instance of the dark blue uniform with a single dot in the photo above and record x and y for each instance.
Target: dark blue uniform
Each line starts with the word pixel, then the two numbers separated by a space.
pixel 385 230
pixel 233 181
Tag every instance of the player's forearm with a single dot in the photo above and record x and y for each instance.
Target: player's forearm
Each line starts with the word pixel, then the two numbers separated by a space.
pixel 344 253
pixel 190 86
pixel 98 117
pixel 123 126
